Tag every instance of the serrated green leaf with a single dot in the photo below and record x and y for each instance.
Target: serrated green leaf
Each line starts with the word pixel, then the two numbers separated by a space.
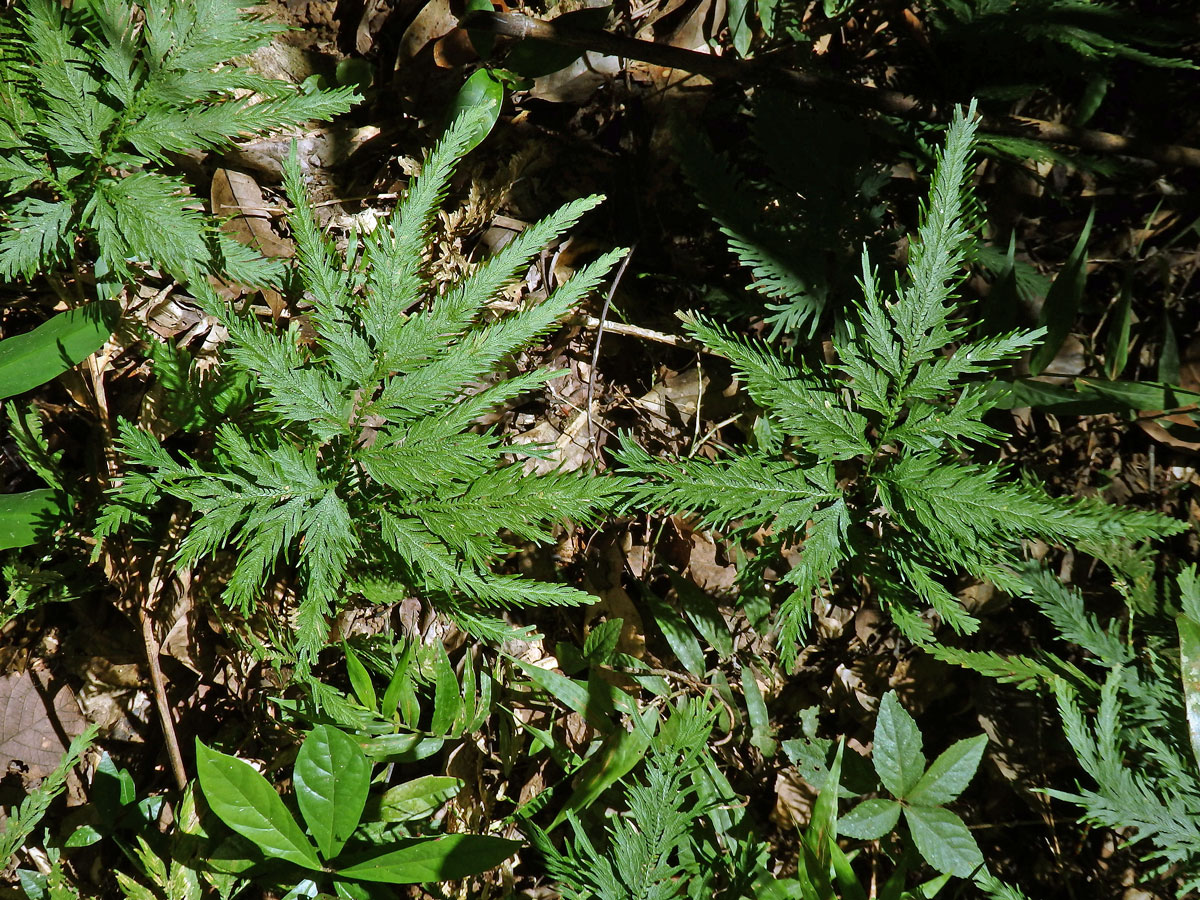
pixel 423 860
pixel 871 819
pixel 950 773
pixel 943 840
pixel 897 752
pixel 247 803
pixel 332 777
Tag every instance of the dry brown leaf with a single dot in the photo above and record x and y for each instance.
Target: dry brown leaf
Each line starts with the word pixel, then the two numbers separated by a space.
pixel 38 719
pixel 1185 425
pixel 237 197
pixel 435 19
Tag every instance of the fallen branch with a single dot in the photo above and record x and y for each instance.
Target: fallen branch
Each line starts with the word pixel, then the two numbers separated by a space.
pixel 758 72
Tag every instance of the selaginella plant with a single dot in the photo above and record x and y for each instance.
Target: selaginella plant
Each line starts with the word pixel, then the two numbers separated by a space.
pixel 95 99
pixel 864 463
pixel 360 463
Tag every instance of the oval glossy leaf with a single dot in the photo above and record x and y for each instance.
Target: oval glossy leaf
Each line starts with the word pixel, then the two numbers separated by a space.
pixel 360 679
pixel 950 773
pixel 418 798
pixel 532 58
pixel 1189 671
pixel 28 517
pixel 481 39
pixel 870 820
pixel 55 346
pixel 423 860
pixel 943 839
pixel 897 754
pixel 247 803
pixel 332 778
pixel 447 696
pixel 482 92
pixel 401 748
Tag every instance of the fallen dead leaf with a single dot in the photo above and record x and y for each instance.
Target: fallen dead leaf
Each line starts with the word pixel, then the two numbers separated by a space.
pixel 38 718
pixel 238 200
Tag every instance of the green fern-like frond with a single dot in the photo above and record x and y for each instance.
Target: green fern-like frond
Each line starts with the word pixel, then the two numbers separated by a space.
pixel 872 478
pixel 642 859
pixel 96 97
pixel 362 457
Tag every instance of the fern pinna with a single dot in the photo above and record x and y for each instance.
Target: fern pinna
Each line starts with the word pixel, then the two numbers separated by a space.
pixel 863 463
pixel 361 465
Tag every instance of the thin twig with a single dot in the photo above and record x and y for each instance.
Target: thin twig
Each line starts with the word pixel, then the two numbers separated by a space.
pixel 154 589
pixel 768 73
pixel 591 386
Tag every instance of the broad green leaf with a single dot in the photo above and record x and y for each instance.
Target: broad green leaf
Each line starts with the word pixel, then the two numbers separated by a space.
pixel 943 840
pixel 332 778
pixel 849 887
pixel 467 709
pixel 591 700
pixel 950 773
pixel 422 860
pixel 401 748
pixel 417 798
pixel 897 752
pixel 1189 672
pixel 59 344
pixel 741 25
pixel 701 610
pixel 360 679
pixel 532 58
pixel 29 517
pixel 482 93
pixel 447 697
pixel 1168 359
pixel 400 680
pixel 1116 351
pixel 822 832
pixel 620 752
pixel 1061 306
pixel 1135 395
pixel 756 711
pixel 481 39
pixel 247 803
pixel 680 637
pixel 871 819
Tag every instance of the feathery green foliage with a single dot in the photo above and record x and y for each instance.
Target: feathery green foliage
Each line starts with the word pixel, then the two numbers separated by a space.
pixel 791 228
pixel 863 462
pixel 23 821
pixel 95 98
pixel 360 463
pixel 643 859
pixel 1136 745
